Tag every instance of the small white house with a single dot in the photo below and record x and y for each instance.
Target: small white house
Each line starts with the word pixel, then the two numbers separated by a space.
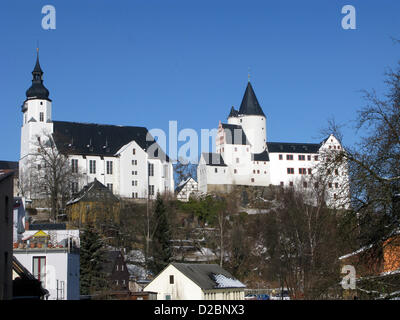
pixel 52 256
pixel 186 189
pixel 183 281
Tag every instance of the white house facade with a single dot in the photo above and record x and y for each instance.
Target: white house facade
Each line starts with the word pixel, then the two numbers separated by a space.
pixel 53 260
pixel 243 156
pixel 183 281
pixel 186 189
pixel 124 158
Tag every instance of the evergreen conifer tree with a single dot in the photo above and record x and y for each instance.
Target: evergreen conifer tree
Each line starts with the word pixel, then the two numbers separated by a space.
pixel 92 278
pixel 160 246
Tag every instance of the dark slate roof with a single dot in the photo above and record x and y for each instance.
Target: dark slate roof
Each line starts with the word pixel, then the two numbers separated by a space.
pixel 233 113
pixel 5 175
pixel 263 156
pixel 37 89
pixel 213 159
pixel 8 165
pixel 250 105
pixel 286 147
pixel 94 191
pixel 48 226
pixel 234 134
pixel 203 274
pixel 101 139
pixel 182 185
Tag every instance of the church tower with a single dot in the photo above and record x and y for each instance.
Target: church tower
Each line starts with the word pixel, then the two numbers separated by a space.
pixel 36 111
pixel 252 119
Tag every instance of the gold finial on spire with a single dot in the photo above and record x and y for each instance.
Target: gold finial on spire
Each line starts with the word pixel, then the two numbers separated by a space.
pixel 248 74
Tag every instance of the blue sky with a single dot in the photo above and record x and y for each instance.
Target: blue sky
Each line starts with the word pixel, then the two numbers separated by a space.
pixel 147 62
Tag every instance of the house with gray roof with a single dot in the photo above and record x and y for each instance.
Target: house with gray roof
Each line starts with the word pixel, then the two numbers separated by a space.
pixel 186 281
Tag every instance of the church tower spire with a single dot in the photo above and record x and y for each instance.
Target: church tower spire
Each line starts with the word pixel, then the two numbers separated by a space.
pixel 37 90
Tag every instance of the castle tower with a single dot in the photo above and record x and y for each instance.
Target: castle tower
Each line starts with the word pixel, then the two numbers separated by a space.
pixel 252 119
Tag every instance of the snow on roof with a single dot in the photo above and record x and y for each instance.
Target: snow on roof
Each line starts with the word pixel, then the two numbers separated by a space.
pixel 356 252
pixel 225 282
pixel 137 271
pixel 135 256
pixel 389 273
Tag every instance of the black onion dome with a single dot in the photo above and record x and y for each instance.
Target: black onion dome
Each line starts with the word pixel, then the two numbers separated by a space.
pixel 37 89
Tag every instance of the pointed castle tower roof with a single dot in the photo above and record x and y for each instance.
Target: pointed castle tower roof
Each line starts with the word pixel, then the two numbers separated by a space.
pixel 233 113
pixel 37 90
pixel 250 105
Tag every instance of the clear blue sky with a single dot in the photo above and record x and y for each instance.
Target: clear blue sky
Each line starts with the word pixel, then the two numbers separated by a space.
pixel 146 62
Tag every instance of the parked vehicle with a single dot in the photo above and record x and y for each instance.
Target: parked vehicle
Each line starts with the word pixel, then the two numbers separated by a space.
pixel 263 297
pixel 284 295
pixel 250 297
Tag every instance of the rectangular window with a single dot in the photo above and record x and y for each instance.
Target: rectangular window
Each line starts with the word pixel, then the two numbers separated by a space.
pixel 290 170
pixel 336 172
pixel 74 187
pixel 316 158
pixel 151 169
pixel 291 183
pixel 109 167
pixel 41 116
pixel 234 171
pixel 302 170
pixel 110 186
pixel 171 279
pixel 39 268
pixel 280 157
pixel 134 162
pixel 282 184
pixel 151 190
pixel 330 185
pixel 336 185
pixel 134 183
pixel 133 151
pixel 74 165
pixel 237 160
pixel 289 157
pixel 216 170
pixel 252 179
pixel 305 184
pixel 92 166
pixel 309 170
pixel 309 158
pixel 302 157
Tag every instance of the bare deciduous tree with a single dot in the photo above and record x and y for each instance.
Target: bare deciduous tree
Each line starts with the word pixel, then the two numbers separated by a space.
pixel 49 175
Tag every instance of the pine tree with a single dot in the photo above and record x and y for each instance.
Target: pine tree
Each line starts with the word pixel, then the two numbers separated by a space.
pixel 161 242
pixel 92 279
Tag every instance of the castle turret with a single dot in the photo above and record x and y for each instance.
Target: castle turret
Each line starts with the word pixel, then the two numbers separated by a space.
pixel 253 121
